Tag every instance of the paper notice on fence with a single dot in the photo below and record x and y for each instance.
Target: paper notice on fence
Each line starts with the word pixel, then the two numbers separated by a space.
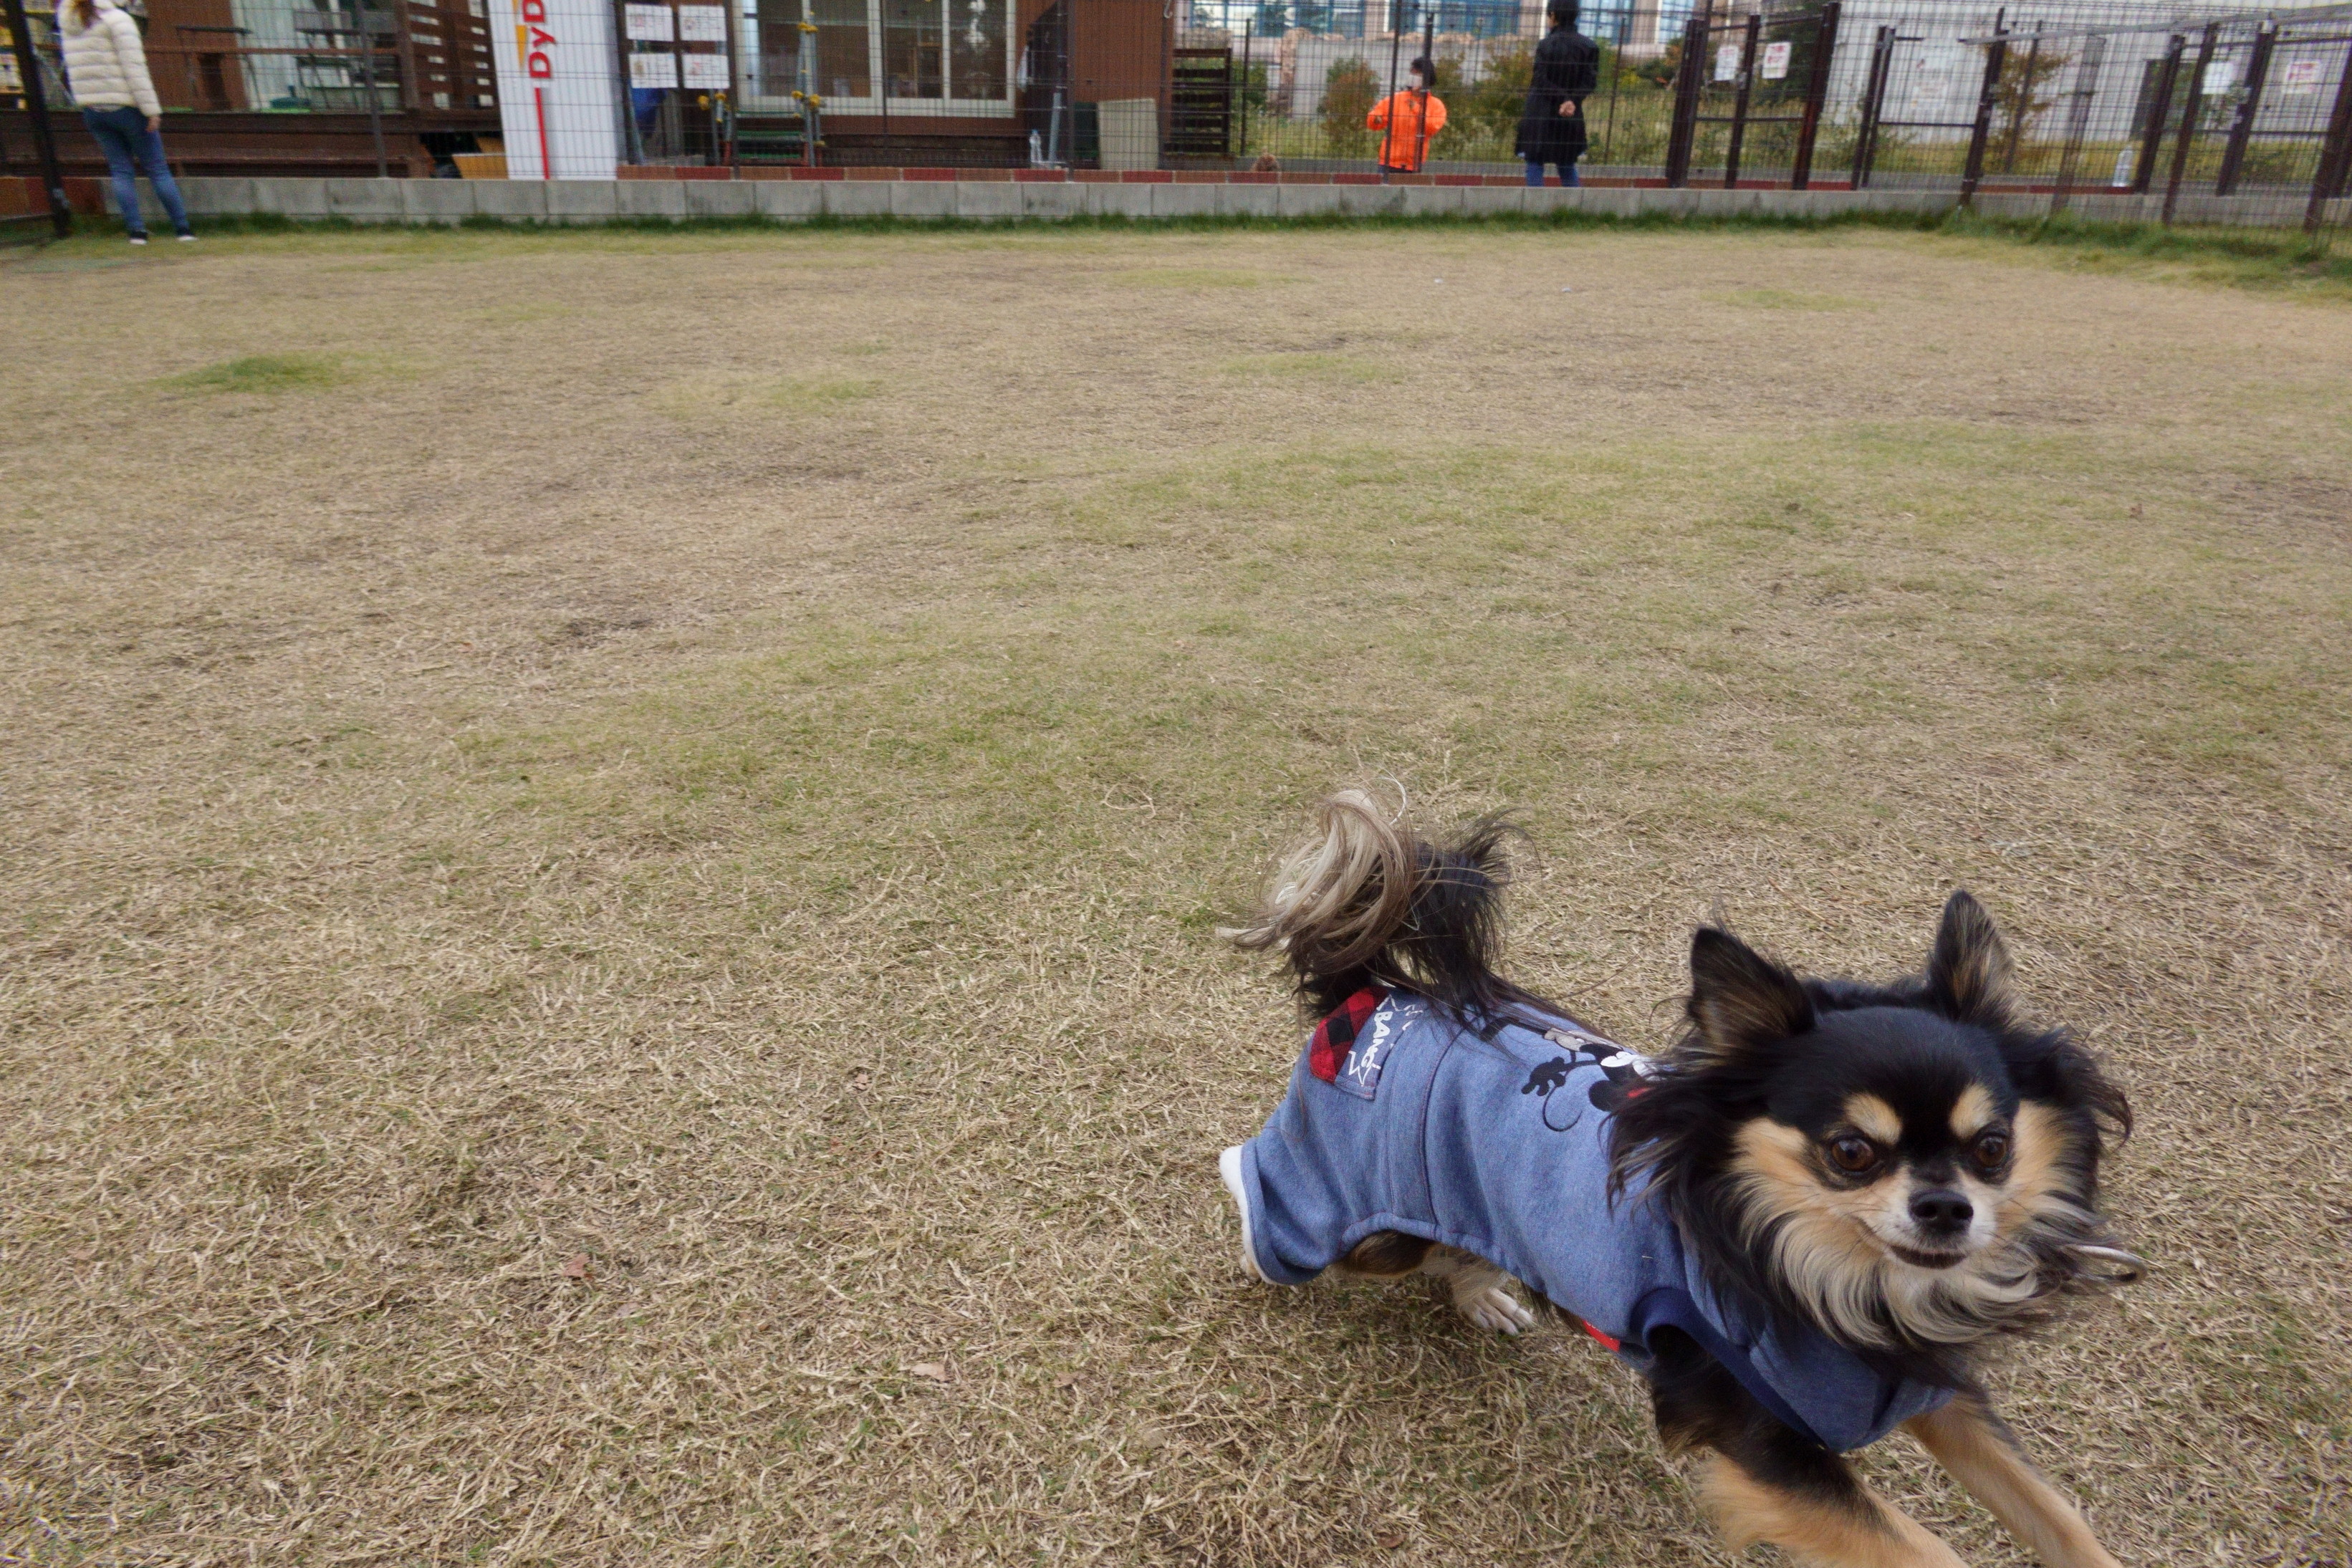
pixel 707 72
pixel 648 23
pixel 1776 60
pixel 2300 80
pixel 702 24
pixel 1727 63
pixel 653 70
pixel 2221 76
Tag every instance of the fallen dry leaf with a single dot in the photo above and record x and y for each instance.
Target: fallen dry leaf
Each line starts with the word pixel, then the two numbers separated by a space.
pixel 1388 1540
pixel 937 1371
pixel 576 1266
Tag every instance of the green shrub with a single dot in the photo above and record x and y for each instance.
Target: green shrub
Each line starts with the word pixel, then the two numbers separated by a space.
pixel 1349 90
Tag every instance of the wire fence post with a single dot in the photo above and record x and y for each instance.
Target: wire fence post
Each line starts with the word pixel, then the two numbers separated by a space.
pixel 2160 110
pixel 811 113
pixel 1249 25
pixel 1428 52
pixel 36 103
pixel 724 105
pixel 2192 104
pixel 2334 154
pixel 1616 75
pixel 1387 104
pixel 1062 151
pixel 1754 31
pixel 367 85
pixel 1874 97
pixel 1817 93
pixel 631 141
pixel 1685 130
pixel 2078 120
pixel 1988 96
pixel 2242 125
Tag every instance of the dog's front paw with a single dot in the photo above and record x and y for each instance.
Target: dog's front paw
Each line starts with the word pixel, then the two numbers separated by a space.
pixel 1492 1307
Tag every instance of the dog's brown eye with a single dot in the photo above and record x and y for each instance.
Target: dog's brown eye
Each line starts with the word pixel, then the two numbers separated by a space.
pixel 1853 1154
pixel 1990 1151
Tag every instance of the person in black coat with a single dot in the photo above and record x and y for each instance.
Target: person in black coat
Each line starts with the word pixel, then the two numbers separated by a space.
pixel 1566 72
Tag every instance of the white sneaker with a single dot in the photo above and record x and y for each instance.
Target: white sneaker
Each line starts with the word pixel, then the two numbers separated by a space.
pixel 1229 1171
pixel 137 239
pixel 186 239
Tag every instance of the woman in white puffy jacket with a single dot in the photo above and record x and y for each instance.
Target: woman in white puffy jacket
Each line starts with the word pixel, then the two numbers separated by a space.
pixel 106 65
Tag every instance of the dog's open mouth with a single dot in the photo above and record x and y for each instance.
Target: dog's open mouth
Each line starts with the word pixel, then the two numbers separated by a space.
pixel 1919 1259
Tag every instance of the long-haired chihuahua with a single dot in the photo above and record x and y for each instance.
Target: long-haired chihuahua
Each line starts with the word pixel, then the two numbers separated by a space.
pixel 1801 1224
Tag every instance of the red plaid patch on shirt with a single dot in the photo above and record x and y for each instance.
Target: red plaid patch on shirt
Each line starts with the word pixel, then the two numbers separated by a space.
pixel 1327 1052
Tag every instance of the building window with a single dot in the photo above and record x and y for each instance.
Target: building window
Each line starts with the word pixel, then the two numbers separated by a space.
pixel 942 56
pixel 1271 18
pixel 1479 18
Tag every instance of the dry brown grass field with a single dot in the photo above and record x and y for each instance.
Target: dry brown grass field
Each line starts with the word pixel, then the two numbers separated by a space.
pixel 611 845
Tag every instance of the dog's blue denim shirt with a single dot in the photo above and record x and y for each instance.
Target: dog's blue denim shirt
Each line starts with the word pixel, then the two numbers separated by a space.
pixel 1499 1147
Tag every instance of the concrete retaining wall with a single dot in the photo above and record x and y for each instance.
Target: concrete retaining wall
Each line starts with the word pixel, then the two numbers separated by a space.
pixel 787 201
pixel 2283 210
pixel 594 202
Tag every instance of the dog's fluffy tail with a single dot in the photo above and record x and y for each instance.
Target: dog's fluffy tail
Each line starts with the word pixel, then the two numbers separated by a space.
pixel 1366 901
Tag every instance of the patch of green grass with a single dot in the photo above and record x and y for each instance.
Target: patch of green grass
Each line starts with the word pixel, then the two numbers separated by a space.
pixel 1710 634
pixel 265 374
pixel 816 394
pixel 2266 259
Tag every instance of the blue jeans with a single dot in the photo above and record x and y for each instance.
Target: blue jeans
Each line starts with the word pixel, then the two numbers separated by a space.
pixel 1567 172
pixel 122 135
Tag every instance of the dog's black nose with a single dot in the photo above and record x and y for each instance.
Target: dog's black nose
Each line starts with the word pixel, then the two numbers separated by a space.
pixel 1941 1210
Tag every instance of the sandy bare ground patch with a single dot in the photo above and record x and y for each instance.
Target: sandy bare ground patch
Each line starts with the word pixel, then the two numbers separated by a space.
pixel 612 845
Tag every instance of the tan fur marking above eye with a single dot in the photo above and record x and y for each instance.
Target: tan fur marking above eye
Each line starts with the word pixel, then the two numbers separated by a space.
pixel 1973 1111
pixel 2035 1179
pixel 1875 1117
pixel 1778 1154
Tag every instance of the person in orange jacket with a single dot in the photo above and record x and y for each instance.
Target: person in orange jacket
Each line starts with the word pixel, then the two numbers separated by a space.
pixel 1402 115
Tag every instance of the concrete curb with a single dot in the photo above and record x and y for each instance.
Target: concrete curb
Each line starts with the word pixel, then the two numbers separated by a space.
pixel 431 202
pixel 2280 211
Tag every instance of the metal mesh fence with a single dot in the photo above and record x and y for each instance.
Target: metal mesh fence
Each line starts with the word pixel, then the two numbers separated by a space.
pixel 2212 110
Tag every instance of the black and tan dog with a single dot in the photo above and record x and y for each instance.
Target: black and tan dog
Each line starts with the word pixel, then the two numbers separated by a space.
pixel 1803 1224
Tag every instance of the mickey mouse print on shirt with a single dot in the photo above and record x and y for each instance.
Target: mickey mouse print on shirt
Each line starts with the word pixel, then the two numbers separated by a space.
pixel 1622 1072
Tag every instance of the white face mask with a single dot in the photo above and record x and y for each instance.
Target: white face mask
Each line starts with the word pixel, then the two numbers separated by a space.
pixel 1414 81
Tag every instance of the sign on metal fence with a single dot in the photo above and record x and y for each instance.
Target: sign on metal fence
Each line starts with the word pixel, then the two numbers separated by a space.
pixel 557 97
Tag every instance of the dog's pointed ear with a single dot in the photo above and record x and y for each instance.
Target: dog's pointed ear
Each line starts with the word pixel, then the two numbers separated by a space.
pixel 1970 977
pixel 1740 999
